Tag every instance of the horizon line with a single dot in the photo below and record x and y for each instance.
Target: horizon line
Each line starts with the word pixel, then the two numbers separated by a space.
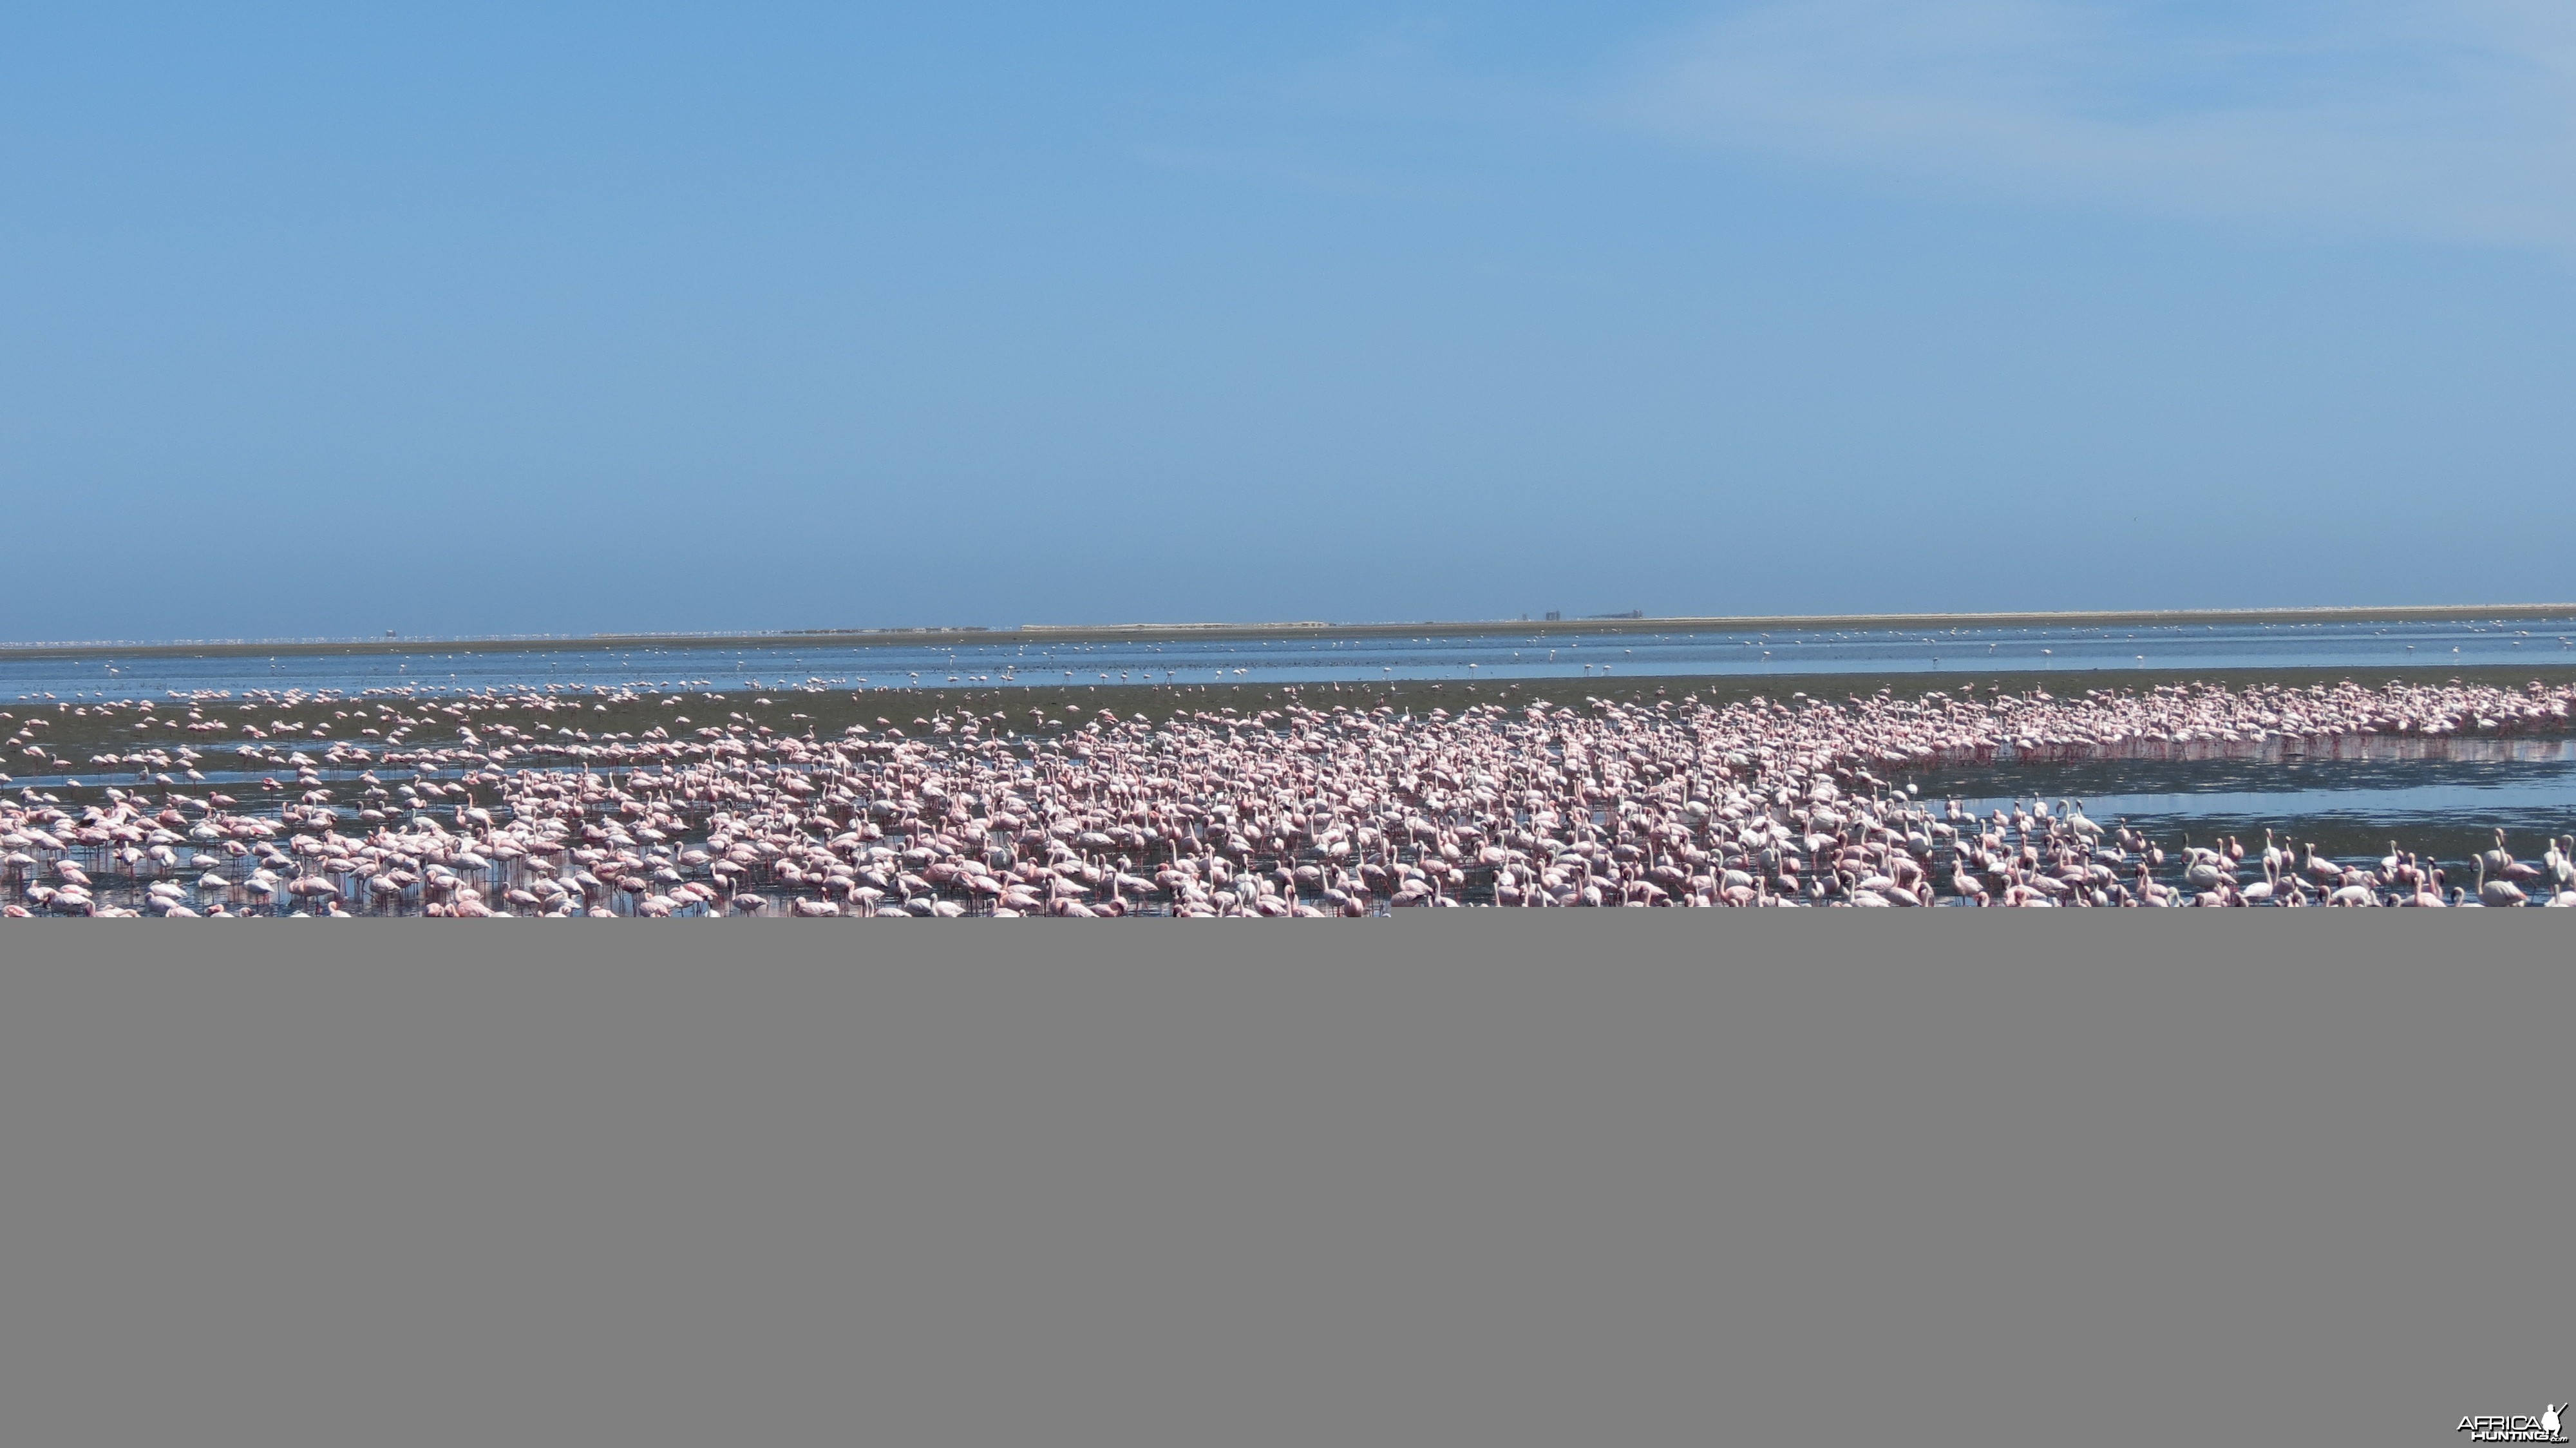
pixel 1630 623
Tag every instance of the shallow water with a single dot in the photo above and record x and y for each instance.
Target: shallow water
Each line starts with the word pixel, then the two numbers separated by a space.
pixel 1299 660
pixel 2349 809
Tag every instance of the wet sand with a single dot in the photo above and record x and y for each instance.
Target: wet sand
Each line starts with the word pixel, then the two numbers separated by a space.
pixel 80 730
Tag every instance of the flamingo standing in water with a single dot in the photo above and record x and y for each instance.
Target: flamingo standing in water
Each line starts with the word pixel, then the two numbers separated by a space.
pixel 2497 892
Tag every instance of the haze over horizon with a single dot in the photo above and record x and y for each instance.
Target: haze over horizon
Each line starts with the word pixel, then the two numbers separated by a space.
pixel 584 318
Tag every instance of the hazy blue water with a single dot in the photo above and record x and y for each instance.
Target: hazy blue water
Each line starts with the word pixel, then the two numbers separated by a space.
pixel 2350 808
pixel 2551 792
pixel 1289 659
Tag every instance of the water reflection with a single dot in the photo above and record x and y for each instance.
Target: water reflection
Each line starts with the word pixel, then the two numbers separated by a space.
pixel 2447 808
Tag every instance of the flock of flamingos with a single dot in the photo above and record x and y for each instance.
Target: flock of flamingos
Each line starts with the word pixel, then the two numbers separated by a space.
pixel 526 806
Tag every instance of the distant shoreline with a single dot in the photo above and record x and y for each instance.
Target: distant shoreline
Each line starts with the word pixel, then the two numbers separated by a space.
pixel 1101 633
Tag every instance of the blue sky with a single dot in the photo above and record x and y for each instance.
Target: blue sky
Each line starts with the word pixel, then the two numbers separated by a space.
pixel 539 318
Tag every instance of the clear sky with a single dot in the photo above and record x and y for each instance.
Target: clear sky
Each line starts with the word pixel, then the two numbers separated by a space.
pixel 550 318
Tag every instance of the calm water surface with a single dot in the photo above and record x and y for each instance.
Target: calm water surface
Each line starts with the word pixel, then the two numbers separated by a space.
pixel 2348 808
pixel 1297 660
